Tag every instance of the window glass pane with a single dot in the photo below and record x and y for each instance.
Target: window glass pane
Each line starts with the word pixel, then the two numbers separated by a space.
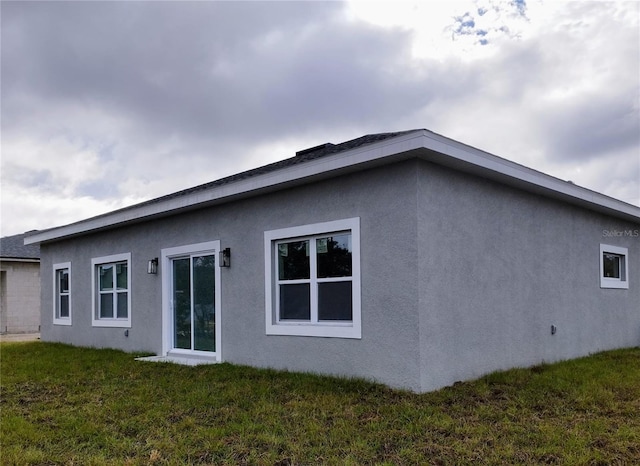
pixel 334 256
pixel 64 306
pixel 63 280
pixel 106 277
pixel 293 260
pixel 106 306
pixel 181 303
pixel 123 306
pixel 611 265
pixel 334 301
pixel 204 273
pixel 295 302
pixel 121 276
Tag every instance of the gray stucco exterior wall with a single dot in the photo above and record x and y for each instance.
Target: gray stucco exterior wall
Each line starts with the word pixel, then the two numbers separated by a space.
pixel 385 201
pixel 499 267
pixel 460 276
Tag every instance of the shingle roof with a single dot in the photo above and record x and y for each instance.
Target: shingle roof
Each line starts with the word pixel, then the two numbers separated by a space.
pixel 384 148
pixel 301 156
pixel 13 247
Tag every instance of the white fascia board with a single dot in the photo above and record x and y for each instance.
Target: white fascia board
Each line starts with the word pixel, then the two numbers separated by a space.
pixel 431 146
pixel 15 259
pixel 494 167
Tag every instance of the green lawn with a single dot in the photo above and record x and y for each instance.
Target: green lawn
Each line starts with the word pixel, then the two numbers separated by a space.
pixel 66 405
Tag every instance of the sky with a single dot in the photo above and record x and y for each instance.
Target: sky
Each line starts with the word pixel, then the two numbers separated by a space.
pixel 107 104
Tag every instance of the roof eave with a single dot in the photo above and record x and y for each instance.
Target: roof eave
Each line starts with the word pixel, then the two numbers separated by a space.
pixel 456 155
pixel 19 259
pixel 319 168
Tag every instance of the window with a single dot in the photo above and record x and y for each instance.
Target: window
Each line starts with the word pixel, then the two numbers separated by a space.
pixel 614 268
pixel 111 296
pixel 313 280
pixel 62 294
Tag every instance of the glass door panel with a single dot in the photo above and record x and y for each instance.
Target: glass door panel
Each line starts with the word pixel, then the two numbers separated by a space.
pixel 204 309
pixel 181 303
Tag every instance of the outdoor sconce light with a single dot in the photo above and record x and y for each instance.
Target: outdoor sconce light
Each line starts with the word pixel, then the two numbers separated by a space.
pixel 225 257
pixel 152 266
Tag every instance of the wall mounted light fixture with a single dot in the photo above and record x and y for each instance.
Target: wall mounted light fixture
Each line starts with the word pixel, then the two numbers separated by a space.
pixel 225 257
pixel 152 266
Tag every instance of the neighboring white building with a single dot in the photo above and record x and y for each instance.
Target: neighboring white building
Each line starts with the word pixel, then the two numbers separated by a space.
pixel 19 285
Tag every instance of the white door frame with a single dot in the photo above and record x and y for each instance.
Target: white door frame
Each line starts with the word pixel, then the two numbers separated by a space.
pixel 167 254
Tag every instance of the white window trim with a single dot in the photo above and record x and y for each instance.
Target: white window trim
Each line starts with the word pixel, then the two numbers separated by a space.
pixel 167 255
pixel 608 282
pixel 60 320
pixel 321 329
pixel 113 322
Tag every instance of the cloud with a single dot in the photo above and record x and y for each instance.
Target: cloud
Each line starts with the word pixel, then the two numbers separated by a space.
pixel 561 94
pixel 109 103
pixel 202 70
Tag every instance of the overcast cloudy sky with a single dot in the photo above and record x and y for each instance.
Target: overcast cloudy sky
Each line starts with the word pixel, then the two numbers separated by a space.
pixel 105 104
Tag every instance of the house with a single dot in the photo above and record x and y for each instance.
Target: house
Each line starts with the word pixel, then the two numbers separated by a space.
pixel 406 258
pixel 19 285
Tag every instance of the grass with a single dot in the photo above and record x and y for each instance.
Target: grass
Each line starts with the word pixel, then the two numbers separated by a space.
pixel 66 405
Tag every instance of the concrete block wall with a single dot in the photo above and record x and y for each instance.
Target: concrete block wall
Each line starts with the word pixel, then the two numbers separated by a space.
pixel 20 301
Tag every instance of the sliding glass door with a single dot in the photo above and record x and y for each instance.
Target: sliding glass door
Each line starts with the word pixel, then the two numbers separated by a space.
pixel 193 302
